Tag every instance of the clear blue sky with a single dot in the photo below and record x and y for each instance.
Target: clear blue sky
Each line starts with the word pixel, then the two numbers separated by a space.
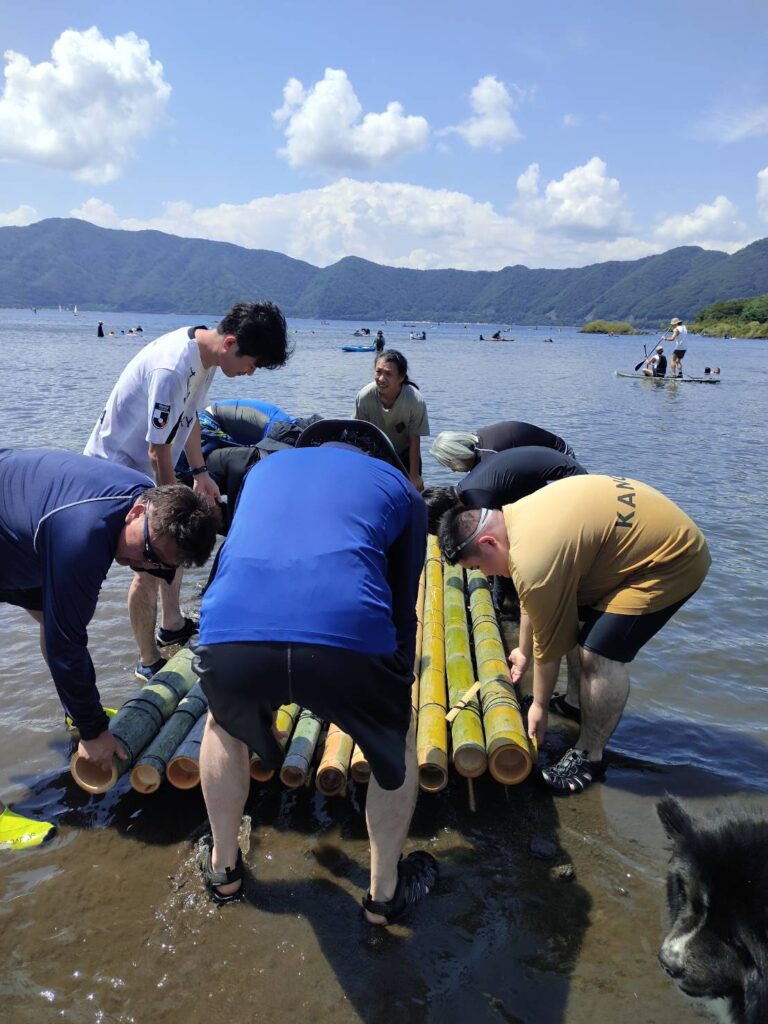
pixel 414 134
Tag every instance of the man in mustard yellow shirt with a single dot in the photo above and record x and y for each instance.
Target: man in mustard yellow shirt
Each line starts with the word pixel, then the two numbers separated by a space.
pixel 601 564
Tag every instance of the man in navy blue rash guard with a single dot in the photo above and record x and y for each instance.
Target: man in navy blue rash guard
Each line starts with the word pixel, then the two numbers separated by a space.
pixel 64 519
pixel 313 602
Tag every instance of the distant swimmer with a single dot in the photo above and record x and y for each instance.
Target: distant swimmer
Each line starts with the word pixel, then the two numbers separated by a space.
pixel 100 329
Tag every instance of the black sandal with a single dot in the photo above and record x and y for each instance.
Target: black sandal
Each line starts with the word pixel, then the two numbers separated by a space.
pixel 212 879
pixel 560 706
pixel 573 773
pixel 416 876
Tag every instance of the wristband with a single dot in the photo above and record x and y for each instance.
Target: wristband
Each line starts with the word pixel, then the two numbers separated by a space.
pixel 198 470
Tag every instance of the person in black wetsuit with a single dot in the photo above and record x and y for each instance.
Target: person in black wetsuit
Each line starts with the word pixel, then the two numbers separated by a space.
pixel 656 363
pixel 499 480
pixel 462 451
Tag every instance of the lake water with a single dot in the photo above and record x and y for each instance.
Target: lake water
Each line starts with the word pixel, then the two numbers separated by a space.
pixel 108 922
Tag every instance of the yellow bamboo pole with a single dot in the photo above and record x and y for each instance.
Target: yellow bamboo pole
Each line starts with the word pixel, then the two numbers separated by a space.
pixel 331 778
pixel 285 719
pixel 138 721
pixel 419 637
pixel 432 731
pixel 510 757
pixel 467 741
pixel 359 768
pixel 301 751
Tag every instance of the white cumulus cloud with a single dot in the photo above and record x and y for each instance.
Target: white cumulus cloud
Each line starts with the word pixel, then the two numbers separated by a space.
pixel 492 124
pixel 323 127
pixel 85 109
pixel 584 201
pixel 19 217
pixel 708 221
pixel 762 194
pixel 392 223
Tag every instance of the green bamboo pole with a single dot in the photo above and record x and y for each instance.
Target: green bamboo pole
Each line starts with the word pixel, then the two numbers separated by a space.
pixel 285 719
pixel 138 721
pixel 150 769
pixel 301 751
pixel 331 778
pixel 467 740
pixel 183 769
pixel 432 731
pixel 359 768
pixel 510 758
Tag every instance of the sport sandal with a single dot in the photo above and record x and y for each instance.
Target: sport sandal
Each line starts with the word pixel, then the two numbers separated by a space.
pixel 212 879
pixel 558 705
pixel 416 876
pixel 573 773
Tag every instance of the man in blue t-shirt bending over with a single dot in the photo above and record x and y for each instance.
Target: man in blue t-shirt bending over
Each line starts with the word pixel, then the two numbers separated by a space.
pixel 64 519
pixel 313 602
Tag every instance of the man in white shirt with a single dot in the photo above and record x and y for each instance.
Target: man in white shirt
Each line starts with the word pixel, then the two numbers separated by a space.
pixel 151 417
pixel 679 341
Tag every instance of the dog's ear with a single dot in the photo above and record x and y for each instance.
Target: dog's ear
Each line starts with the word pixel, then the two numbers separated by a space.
pixel 675 819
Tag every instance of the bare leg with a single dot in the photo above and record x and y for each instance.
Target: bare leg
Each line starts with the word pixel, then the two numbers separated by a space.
pixel 170 608
pixel 604 692
pixel 225 779
pixel 388 814
pixel 573 665
pixel 142 611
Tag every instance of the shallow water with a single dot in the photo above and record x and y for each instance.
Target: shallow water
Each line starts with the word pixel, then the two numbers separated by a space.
pixel 108 922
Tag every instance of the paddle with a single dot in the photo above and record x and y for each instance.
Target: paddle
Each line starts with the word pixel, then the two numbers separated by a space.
pixel 642 360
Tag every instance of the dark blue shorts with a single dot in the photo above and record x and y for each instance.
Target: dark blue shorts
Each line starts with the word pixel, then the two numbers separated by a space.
pixel 31 599
pixel 620 637
pixel 368 696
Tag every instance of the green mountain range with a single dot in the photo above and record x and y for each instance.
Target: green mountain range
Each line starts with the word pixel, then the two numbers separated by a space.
pixel 67 262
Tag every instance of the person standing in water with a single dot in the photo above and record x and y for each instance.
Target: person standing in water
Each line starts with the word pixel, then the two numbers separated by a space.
pixel 379 342
pixel 394 404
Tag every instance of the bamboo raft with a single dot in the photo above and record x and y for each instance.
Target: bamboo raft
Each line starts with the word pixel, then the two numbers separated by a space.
pixel 466 711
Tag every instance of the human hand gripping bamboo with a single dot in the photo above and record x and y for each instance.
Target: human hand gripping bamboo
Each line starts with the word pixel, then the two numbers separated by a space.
pixel 101 749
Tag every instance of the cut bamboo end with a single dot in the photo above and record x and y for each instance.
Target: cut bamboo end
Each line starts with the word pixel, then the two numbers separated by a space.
pixel 470 762
pixel 432 777
pixel 510 764
pixel 292 777
pixel 359 768
pixel 331 781
pixel 145 778
pixel 183 772
pixel 90 777
pixel 259 771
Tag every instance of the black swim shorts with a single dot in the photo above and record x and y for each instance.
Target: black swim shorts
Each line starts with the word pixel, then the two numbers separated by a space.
pixel 679 352
pixel 367 696
pixel 620 637
pixel 31 599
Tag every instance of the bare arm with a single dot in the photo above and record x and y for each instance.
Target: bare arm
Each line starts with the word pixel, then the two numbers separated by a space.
pixel 202 482
pixel 414 457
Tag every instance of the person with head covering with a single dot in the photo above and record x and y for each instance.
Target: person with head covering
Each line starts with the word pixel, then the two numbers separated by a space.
pixel 678 339
pixel 656 363
pixel 313 602
pixel 394 404
pixel 461 451
pixel 601 564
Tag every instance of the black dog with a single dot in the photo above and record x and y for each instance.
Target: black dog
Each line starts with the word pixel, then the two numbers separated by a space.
pixel 717 890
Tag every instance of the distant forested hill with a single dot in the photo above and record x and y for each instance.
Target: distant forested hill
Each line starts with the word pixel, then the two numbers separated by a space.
pixel 71 262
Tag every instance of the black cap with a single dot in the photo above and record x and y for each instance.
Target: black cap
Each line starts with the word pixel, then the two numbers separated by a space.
pixel 359 433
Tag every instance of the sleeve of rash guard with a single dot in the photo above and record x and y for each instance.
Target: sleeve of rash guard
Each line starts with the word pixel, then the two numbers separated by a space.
pixel 165 404
pixel 405 560
pixel 75 558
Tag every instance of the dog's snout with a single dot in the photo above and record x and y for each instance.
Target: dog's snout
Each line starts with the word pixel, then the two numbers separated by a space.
pixel 671 963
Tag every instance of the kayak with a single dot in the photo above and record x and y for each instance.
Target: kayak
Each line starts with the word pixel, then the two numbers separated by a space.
pixel 357 348
pixel 669 380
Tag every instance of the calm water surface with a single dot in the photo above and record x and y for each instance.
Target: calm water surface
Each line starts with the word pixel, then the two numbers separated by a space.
pixel 108 923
